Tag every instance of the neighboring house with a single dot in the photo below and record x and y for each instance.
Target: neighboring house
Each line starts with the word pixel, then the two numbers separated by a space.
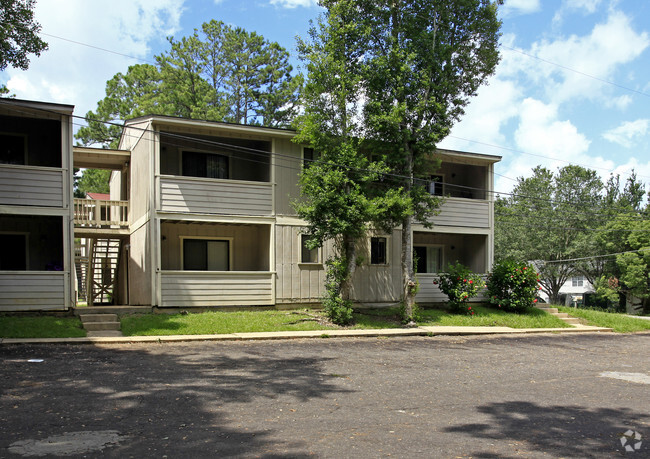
pixel 211 221
pixel 36 211
pixel 573 290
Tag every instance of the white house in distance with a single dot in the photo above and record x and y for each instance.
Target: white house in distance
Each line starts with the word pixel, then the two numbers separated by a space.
pixel 574 288
pixel 200 215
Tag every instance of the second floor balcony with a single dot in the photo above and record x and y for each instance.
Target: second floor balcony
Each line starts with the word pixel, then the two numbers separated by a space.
pixel 93 216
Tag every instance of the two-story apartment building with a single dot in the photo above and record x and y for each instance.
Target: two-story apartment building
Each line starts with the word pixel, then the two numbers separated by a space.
pixel 211 221
pixel 36 211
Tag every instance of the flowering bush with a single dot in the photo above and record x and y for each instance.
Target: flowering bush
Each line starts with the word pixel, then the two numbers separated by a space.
pixel 460 284
pixel 513 286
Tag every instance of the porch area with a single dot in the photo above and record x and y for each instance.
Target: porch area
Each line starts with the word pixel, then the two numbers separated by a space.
pixel 208 264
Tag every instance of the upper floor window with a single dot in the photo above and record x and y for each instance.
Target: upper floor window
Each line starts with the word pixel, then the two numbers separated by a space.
pixel 13 148
pixel 378 251
pixel 577 281
pixel 436 185
pixel 429 258
pixel 307 255
pixel 206 254
pixel 309 156
pixel 209 165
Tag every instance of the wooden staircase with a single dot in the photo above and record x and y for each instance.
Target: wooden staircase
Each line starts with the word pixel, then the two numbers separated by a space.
pixel 103 262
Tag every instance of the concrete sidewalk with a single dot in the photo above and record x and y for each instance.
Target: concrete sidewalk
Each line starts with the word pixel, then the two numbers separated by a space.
pixel 387 332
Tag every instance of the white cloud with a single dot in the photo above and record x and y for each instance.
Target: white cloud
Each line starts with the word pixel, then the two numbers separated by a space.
pixel 518 7
pixel 294 3
pixel 568 6
pixel 76 74
pixel 628 132
pixel 598 54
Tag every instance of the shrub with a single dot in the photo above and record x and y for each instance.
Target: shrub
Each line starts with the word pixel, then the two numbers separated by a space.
pixel 337 309
pixel 460 285
pixel 513 286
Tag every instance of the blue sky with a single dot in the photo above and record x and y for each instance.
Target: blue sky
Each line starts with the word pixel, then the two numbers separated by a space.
pixel 573 84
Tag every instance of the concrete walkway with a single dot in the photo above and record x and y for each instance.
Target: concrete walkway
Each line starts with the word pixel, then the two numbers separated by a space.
pixel 387 332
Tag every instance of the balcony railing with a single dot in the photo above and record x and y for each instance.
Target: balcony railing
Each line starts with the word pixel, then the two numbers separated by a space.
pixel 96 213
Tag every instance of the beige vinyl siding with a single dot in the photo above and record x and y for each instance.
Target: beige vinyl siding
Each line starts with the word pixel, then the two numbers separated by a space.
pixel 288 164
pixel 31 186
pixel 463 212
pixel 30 290
pixel 378 283
pixel 202 195
pixel 208 288
pixel 297 282
pixel 249 246
pixel 140 267
pixel 141 173
pixel 429 293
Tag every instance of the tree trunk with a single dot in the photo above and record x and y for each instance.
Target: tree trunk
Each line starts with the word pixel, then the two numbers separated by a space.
pixel 350 253
pixel 408 275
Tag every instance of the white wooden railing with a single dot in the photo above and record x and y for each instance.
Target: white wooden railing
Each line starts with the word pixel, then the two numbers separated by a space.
pixel 98 213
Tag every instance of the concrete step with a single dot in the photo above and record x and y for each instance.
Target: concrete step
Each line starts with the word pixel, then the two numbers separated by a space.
pixel 119 310
pixel 560 315
pixel 549 310
pixel 572 320
pixel 95 326
pixel 98 318
pixel 103 333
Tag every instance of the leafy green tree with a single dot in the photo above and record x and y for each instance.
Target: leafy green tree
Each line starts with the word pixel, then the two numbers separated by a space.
pixel 423 61
pixel 218 73
pixel 546 218
pixel 338 201
pixel 92 181
pixel 18 34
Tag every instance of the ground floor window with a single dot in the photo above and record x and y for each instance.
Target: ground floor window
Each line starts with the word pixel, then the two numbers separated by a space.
pixel 206 255
pixel 307 255
pixel 429 258
pixel 378 251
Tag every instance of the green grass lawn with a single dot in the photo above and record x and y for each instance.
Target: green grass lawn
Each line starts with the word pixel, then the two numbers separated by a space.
pixel 620 323
pixel 219 322
pixel 488 317
pixel 40 327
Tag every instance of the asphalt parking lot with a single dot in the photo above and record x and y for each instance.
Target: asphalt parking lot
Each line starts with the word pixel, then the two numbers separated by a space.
pixel 506 397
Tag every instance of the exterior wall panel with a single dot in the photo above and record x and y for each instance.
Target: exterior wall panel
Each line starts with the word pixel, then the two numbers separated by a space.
pixel 30 290
pixel 199 288
pixel 463 212
pixel 31 186
pixel 197 195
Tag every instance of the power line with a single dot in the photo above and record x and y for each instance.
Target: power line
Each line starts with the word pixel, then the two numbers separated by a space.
pixel 265 153
pixel 98 48
pixel 564 67
pixel 592 257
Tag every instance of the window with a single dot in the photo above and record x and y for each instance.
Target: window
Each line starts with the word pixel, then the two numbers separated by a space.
pixel 13 148
pixel 429 258
pixel 436 185
pixel 206 255
pixel 209 165
pixel 309 156
pixel 13 256
pixel 307 255
pixel 577 281
pixel 378 251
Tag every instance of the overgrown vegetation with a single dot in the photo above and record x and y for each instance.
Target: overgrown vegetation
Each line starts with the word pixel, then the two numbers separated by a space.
pixel 512 286
pixel 14 326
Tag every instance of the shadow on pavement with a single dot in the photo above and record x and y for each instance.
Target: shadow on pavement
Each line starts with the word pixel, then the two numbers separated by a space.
pixel 566 431
pixel 165 403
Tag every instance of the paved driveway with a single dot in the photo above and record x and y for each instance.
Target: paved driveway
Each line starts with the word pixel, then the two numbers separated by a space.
pixel 533 396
